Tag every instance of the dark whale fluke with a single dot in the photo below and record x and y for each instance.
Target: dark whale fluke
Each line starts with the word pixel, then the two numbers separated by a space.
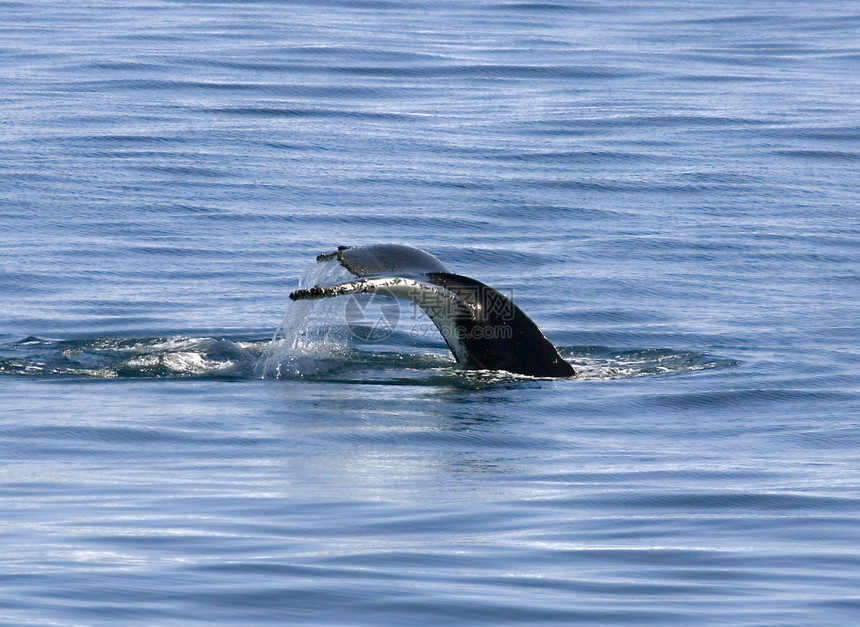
pixel 484 329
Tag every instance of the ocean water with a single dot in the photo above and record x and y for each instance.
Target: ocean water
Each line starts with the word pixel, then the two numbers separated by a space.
pixel 669 189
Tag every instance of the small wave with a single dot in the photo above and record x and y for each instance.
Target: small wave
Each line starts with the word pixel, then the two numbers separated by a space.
pixel 554 7
pixel 107 358
pixel 821 155
pixel 598 362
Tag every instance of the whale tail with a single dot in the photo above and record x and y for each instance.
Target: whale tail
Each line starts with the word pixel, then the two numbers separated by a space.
pixel 484 329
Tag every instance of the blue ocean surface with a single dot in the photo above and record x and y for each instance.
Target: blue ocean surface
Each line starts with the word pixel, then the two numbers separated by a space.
pixel 669 189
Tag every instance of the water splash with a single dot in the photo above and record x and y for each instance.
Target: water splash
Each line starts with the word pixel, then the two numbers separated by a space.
pixel 312 337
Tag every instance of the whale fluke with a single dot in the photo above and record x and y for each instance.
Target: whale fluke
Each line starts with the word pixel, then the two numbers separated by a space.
pixel 483 328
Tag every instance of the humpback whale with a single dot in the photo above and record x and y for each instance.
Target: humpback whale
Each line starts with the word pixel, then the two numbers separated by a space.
pixel 484 329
